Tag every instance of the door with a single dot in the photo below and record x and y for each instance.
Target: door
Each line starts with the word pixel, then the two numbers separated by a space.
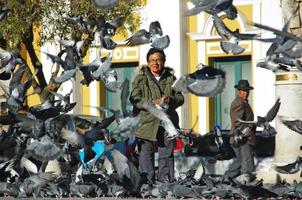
pixel 235 69
pixel 113 101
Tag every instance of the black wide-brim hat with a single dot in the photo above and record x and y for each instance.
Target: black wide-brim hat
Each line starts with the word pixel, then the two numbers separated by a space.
pixel 243 85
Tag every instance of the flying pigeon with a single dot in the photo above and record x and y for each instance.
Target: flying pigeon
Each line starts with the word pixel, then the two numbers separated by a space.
pixel 154 36
pixel 206 81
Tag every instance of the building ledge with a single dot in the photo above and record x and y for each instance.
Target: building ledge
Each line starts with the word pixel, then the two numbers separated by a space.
pixel 199 36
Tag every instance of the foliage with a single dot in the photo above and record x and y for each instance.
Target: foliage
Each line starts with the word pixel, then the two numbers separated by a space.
pixel 24 14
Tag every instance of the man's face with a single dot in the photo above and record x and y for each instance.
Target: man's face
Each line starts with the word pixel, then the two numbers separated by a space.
pixel 156 63
pixel 243 94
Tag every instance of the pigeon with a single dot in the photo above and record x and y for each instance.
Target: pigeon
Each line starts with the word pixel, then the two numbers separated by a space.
pixel 275 59
pixel 65 104
pixel 11 189
pixel 291 47
pixel 44 150
pixel 76 45
pixel 9 60
pixel 268 130
pixel 231 38
pixel 16 93
pixel 45 110
pixel 83 189
pixel 106 30
pixel 4 12
pixel 292 123
pixel 206 81
pixel 98 67
pixel 213 7
pixel 33 184
pixel 272 65
pixel 128 175
pixel 83 24
pixel 159 113
pixel 104 4
pixel 290 168
pixel 111 80
pixel 154 36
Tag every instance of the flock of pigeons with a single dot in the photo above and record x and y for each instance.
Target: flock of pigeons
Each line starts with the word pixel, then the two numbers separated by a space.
pixel 40 134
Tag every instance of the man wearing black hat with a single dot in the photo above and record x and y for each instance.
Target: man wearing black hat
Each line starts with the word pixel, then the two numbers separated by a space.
pixel 242 135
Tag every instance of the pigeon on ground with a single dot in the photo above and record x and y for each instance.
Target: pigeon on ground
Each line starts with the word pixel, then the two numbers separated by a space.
pixel 44 150
pixel 128 175
pixel 33 184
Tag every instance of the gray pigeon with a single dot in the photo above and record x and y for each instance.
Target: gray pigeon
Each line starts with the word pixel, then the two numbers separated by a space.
pixel 44 150
pixel 290 168
pixel 206 81
pixel 9 60
pixel 213 7
pixel 268 130
pixel 231 38
pixel 4 12
pixel 33 184
pixel 154 36
pixel 83 24
pixel 104 4
pixel 159 113
pixel 292 123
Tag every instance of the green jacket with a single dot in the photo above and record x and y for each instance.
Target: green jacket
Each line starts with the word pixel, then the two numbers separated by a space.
pixel 145 88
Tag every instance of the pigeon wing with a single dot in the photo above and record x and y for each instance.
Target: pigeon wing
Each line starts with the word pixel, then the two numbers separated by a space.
pixel 273 111
pixel 208 87
pixel 292 123
pixel 138 38
pixel 68 74
pixel 124 96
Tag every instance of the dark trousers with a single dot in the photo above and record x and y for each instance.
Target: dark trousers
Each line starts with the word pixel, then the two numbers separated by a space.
pixel 146 150
pixel 243 162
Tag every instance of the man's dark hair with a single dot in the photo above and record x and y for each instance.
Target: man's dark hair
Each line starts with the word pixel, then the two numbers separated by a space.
pixel 156 50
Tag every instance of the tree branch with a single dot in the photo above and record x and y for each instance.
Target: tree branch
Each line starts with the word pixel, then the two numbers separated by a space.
pixel 28 42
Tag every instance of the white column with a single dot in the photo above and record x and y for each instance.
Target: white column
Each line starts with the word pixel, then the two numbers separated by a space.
pixel 93 53
pixel 289 89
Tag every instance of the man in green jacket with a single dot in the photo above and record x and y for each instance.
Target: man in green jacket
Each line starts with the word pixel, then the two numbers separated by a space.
pixel 153 84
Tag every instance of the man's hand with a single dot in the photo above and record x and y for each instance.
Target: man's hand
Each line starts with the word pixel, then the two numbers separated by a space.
pixel 157 101
pixel 167 99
